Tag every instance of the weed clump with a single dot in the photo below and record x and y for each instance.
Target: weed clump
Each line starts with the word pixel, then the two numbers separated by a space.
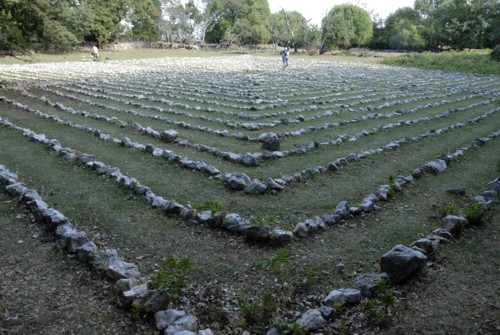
pixel 173 276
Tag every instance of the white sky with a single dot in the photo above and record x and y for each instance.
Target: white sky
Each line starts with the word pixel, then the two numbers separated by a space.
pixel 317 9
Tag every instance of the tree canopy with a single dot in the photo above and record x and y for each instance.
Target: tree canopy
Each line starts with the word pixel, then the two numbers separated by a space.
pixel 59 25
pixel 346 26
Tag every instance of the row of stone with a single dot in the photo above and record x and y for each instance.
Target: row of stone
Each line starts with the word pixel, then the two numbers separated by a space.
pixel 124 275
pixel 232 222
pixel 259 126
pixel 236 181
pixel 396 266
pixel 369 203
pixel 270 141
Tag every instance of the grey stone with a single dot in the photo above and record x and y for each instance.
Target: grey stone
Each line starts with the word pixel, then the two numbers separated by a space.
pixel 163 319
pixel 273 185
pixel 50 217
pixel 187 322
pixel 84 251
pixel 455 224
pixel 347 295
pixel 401 262
pixel 312 319
pixel 168 136
pixel 494 185
pixel 342 209
pixel 256 187
pixel 235 223
pixel 139 292
pixel 259 233
pixel 435 166
pixel 101 260
pixel 155 301
pixel 250 159
pixel 302 229
pixel 118 269
pixel 70 239
pixel 367 283
pixel 204 216
pixel 424 244
pixel 269 138
pixel 238 181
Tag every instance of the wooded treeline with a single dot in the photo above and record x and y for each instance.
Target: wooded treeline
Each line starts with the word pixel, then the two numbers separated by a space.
pixel 60 25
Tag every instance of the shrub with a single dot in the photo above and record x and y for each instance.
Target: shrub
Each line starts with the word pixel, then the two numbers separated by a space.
pixel 449 209
pixel 173 276
pixel 259 314
pixel 474 213
pixel 495 54
pixel 213 204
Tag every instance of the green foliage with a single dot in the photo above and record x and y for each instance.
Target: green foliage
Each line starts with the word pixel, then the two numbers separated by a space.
pixel 393 187
pixel 346 26
pixel 295 328
pixel 451 61
pixel 136 308
pixel 259 315
pixel 474 213
pixel 448 209
pixel 495 54
pixel 262 220
pixel 173 276
pixel 378 308
pixel 214 205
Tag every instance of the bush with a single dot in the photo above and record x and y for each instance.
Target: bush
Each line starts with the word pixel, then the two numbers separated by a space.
pixel 474 213
pixel 495 54
pixel 173 276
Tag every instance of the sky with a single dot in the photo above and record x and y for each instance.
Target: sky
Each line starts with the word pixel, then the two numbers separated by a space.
pixel 315 10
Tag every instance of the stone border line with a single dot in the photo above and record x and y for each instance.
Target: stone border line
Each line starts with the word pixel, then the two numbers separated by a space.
pixel 234 222
pixel 397 265
pixel 240 181
pixel 128 284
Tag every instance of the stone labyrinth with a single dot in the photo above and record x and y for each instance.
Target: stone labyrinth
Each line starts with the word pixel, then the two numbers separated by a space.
pixel 286 153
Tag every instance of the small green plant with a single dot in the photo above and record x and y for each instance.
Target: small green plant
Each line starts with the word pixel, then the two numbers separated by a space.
pixel 393 187
pixel 259 315
pixel 474 213
pixel 296 329
pixel 173 276
pixel 213 204
pixel 378 309
pixel 262 220
pixel 339 308
pixel 136 309
pixel 449 209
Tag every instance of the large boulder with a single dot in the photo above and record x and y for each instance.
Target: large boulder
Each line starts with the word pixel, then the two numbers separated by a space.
pixel 270 141
pixel 401 262
pixel 238 181
pixel 168 136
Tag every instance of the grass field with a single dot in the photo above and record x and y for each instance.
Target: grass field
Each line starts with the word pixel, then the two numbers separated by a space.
pixel 322 111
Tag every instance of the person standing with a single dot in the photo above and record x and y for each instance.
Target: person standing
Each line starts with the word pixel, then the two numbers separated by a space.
pixel 95 52
pixel 285 54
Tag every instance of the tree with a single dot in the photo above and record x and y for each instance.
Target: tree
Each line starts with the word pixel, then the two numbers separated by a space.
pixel 402 30
pixel 346 26
pixel 144 17
pixel 28 25
pixel 244 21
pixel 406 36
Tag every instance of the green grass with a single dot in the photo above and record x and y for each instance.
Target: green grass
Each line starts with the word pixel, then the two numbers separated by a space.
pixel 478 61
pixel 116 218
